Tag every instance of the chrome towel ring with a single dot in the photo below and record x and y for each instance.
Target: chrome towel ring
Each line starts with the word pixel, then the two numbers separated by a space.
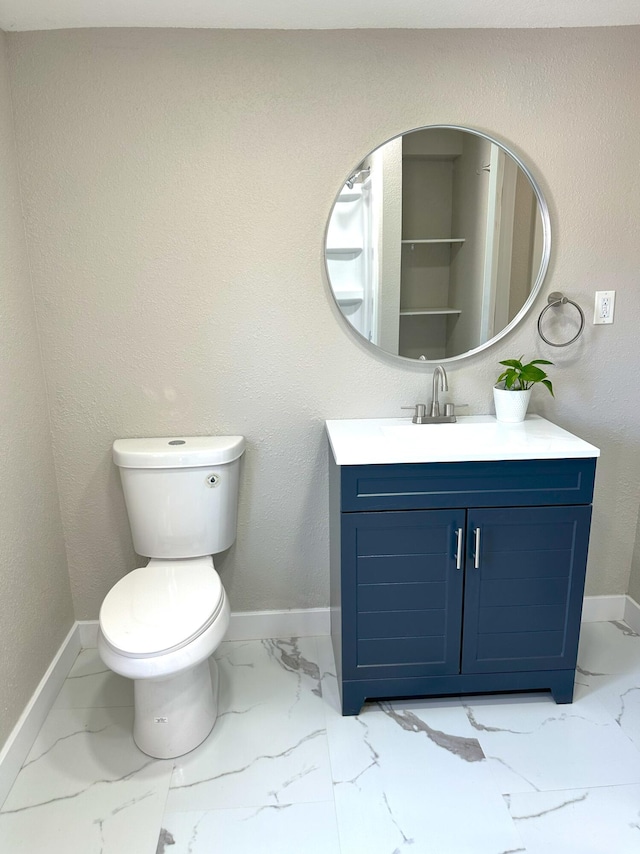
pixel 554 300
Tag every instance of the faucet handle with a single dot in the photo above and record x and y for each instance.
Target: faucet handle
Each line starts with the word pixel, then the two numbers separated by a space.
pixel 419 412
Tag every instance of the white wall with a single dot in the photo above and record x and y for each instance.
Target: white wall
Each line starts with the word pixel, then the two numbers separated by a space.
pixel 35 599
pixel 176 188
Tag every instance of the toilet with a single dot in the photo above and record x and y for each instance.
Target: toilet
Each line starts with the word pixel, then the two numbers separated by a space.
pixel 161 623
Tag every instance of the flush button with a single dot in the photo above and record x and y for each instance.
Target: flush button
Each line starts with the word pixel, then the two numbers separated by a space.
pixel 177 442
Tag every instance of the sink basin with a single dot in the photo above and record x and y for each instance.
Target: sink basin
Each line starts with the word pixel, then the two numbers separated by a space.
pixel 372 441
pixel 441 435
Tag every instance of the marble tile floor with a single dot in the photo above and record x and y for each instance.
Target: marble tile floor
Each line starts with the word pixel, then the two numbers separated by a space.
pixel 284 773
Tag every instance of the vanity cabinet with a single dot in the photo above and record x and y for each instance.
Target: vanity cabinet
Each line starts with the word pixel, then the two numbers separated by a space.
pixel 455 578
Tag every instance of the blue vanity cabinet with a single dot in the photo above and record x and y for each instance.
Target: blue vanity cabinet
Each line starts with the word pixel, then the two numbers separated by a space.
pixel 523 592
pixel 454 578
pixel 406 593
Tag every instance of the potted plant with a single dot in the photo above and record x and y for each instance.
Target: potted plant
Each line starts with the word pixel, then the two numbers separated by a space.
pixel 512 390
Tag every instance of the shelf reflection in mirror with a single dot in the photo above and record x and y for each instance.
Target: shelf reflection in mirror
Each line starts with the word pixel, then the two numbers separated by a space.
pixel 437 243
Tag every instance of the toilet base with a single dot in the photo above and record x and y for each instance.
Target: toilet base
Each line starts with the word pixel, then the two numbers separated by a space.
pixel 176 714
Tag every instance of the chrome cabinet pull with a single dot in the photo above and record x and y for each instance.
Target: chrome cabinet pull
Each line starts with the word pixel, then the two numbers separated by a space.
pixel 459 549
pixel 476 554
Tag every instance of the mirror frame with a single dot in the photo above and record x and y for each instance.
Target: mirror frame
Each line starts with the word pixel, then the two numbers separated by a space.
pixel 544 261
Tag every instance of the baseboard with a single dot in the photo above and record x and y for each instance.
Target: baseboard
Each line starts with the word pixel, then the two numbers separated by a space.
pixel 632 614
pixel 88 630
pixel 310 622
pixel 300 623
pixel 17 747
pixel 597 609
pixel 250 625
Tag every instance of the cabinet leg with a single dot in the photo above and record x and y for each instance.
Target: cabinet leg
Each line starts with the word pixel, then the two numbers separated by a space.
pixel 352 699
pixel 562 687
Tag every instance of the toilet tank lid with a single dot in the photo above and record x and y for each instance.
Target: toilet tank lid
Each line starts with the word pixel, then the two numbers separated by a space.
pixel 178 452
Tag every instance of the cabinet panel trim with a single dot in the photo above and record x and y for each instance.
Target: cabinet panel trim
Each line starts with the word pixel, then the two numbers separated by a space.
pixel 504 483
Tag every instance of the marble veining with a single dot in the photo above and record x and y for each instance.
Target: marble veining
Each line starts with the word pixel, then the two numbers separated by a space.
pixel 164 839
pixel 604 820
pixel 561 806
pixel 77 794
pixel 547 721
pixel 466 748
pixel 584 672
pixel 405 840
pixel 373 756
pixel 288 654
pixel 284 773
pixel 631 693
pixel 530 785
pixel 89 673
pixel 61 739
pixel 264 756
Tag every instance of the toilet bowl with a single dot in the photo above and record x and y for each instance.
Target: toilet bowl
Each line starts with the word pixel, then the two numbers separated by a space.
pixel 160 624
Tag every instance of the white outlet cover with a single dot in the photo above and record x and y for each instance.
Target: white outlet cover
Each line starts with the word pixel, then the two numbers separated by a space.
pixel 604 307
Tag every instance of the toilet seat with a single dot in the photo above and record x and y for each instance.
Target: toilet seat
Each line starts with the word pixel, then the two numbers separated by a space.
pixel 161 607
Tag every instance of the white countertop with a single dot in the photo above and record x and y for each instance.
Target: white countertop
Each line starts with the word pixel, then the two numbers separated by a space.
pixel 375 441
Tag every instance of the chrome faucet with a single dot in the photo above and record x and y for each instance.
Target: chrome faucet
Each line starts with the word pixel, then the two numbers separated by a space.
pixel 420 410
pixel 444 386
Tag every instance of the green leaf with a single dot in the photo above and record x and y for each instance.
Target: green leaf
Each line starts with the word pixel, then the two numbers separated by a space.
pixel 532 374
pixel 519 377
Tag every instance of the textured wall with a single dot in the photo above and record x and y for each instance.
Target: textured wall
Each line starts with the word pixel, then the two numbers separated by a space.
pixel 634 580
pixel 35 599
pixel 176 188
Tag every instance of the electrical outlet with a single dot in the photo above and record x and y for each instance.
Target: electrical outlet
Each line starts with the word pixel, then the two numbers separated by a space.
pixel 603 312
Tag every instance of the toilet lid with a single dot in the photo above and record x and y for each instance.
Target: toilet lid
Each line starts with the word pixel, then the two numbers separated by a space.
pixel 161 606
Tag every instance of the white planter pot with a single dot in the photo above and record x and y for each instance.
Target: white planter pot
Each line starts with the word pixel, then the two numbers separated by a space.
pixel 511 406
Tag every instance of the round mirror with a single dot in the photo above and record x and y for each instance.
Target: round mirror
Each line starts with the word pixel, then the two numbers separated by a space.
pixel 437 243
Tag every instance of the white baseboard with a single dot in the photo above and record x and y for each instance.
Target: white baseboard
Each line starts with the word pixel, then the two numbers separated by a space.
pixel 600 609
pixel 17 747
pixel 632 614
pixel 300 623
pixel 88 630
pixel 250 625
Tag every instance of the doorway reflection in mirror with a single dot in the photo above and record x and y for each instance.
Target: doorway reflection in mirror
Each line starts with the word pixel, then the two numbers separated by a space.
pixel 439 244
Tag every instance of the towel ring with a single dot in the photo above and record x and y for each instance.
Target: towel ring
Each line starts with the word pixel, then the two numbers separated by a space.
pixel 554 300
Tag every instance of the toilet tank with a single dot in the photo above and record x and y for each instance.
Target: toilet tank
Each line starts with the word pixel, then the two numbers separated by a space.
pixel 181 494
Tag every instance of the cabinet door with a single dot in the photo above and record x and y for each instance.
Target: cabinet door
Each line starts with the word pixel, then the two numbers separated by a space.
pixel 401 593
pixel 523 588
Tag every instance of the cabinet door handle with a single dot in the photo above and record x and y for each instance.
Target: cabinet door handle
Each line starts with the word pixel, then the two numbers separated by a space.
pixel 476 553
pixel 459 549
